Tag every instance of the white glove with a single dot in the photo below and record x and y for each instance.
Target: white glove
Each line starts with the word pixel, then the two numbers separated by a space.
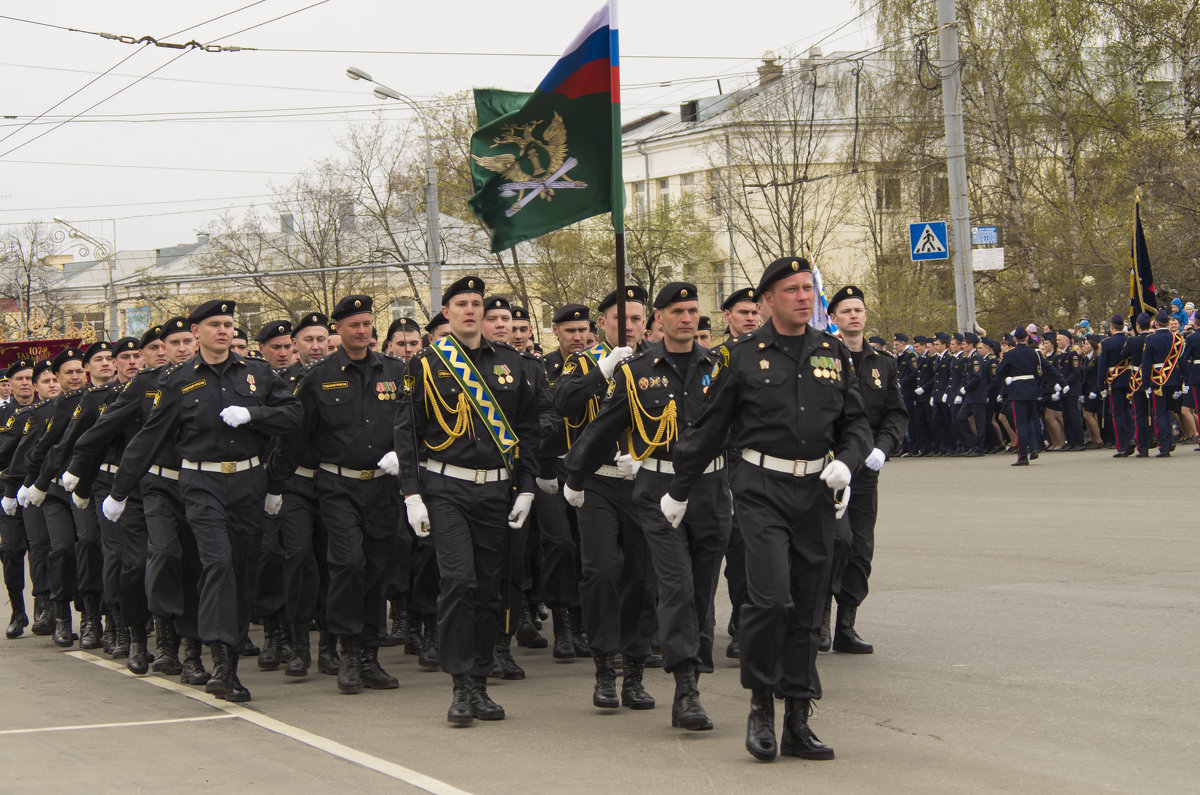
pixel 418 515
pixel 962 390
pixel 1103 393
pixel 520 510
pixel 609 363
pixel 1185 389
pixel 876 460
pixel 957 399
pixel 931 401
pixel 1066 389
pixel 1149 389
pixel 112 509
pixel 1055 397
pixel 68 481
pixel 1058 389
pixel 1008 381
pixel 9 505
pixel 943 398
pixel 839 508
pixel 1177 395
pixel 273 504
pixel 836 475
pixel 23 492
pixel 919 391
pixel 574 498
pixel 389 463
pixel 80 502
pixel 628 466
pixel 35 496
pixel 673 509
pixel 547 485
pixel 1092 395
pixel 234 416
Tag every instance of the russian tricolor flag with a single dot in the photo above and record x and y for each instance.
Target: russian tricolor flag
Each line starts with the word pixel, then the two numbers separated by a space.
pixel 590 63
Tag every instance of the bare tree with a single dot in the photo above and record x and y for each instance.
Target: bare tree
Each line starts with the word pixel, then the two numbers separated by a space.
pixel 34 280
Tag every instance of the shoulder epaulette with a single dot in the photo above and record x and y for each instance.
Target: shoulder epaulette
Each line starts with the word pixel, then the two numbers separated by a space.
pixel 502 344
pixel 393 356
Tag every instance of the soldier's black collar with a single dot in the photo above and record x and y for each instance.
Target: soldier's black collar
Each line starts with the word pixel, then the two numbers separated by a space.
pixel 343 360
pixel 484 344
pixel 658 350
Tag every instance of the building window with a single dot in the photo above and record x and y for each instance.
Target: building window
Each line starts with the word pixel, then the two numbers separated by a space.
pixel 664 188
pixel 637 199
pixel 887 193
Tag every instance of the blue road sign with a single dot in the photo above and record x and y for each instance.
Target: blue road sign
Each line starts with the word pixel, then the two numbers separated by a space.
pixel 985 236
pixel 928 240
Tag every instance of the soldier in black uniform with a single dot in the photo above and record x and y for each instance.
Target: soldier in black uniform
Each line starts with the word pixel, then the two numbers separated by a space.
pixel 1020 370
pixel 471 466
pixel 13 541
pixel 1070 364
pixel 787 399
pixel 879 385
pixel 350 401
pixel 655 396
pixel 943 361
pixel 222 410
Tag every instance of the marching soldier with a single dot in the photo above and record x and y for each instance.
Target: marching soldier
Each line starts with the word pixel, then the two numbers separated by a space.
pixel 521 333
pixel 1190 362
pixel 13 541
pixel 1143 420
pixel 469 415
pixel 1112 382
pixel 1020 370
pixel 787 400
pixel 1163 378
pixel 943 429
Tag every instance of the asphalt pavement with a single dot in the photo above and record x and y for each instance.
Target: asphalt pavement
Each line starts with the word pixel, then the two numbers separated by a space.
pixel 1036 630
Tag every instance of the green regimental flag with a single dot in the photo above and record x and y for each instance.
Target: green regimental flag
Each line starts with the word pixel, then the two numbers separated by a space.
pixel 543 160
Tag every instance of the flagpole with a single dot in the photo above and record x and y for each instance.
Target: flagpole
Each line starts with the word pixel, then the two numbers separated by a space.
pixel 618 181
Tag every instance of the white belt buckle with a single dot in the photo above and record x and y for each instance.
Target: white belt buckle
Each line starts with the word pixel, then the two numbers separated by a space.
pixel 228 467
pixel 799 469
pixel 481 477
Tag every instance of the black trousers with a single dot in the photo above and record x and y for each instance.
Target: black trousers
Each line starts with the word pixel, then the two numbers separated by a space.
pixel 37 535
pixel 1143 420
pixel 943 426
pixel 687 564
pixel 975 440
pixel 1120 409
pixel 918 427
pixel 559 553
pixel 1161 407
pixel 425 581
pixel 298 521
pixel 468 524
pixel 360 519
pixel 111 544
pixel 788 527
pixel 135 541
pixel 173 568
pixel 616 592
pixel 1024 419
pixel 853 551
pixel 89 554
pixel 268 574
pixel 225 513
pixel 13 546
pixel 63 571
pixel 1072 419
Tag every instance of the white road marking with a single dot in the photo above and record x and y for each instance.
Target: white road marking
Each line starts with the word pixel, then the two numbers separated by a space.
pixel 331 747
pixel 82 727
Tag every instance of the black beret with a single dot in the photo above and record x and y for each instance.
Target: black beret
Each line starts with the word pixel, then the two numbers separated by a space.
pixel 1008 337
pixel 958 336
pixel 921 338
pixel 674 292
pixel 995 346
pixel 218 306
pixel 902 337
pixel 942 337
pixel 153 334
pixel 125 344
pixel 3 375
pixel 971 338
pixel 1116 321
pixel 374 333
pixel 633 292
pixel 352 305
pixel 744 294
pixel 96 347
pixel 1019 333
pixel 175 325
pixel 1163 316
pixel 1094 339
pixel 496 302
pixel 438 320
pixel 239 333
pixel 41 367
pixel 705 324
pixel 877 340
pixel 1062 332
pixel 520 313
pixel 570 312
pixel 19 365
pixel 277 328
pixel 311 319
pixel 403 324
pixel 467 284
pixel 64 356
pixel 782 268
pixel 849 291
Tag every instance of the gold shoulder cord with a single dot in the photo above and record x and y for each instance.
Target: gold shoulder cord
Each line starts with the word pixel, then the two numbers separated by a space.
pixel 593 408
pixel 461 412
pixel 666 431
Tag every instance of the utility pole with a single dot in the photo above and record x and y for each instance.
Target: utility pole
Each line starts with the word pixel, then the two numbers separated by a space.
pixel 950 69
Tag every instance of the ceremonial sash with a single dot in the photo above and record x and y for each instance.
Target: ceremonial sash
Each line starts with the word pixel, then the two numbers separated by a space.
pixel 597 352
pixel 1161 375
pixel 478 395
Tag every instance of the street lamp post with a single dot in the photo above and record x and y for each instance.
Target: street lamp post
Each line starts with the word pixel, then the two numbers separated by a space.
pixel 103 251
pixel 433 244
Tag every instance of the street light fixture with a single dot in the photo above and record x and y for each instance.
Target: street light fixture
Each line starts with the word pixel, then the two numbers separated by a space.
pixel 433 245
pixel 104 251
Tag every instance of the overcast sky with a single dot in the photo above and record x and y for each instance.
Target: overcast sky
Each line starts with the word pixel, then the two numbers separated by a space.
pixel 162 180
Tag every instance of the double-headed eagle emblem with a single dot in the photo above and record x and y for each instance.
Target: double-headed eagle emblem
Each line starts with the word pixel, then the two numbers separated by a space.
pixel 544 180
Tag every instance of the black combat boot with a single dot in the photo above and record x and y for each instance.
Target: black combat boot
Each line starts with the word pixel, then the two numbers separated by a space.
pixel 268 658
pixel 503 664
pixel 399 631
pixel 527 634
pixel 482 706
pixel 43 616
pixel 582 649
pixel 460 713
pixel 16 627
pixel 247 648
pixel 301 656
pixel 760 726
pixel 412 640
pixel 798 738
pixel 328 661
pixel 845 637
pixel 564 645
pixel 372 674
pixel 108 633
pixel 139 658
pixel 734 650
pixel 826 637
pixel 166 648
pixel 633 692
pixel 686 712
pixel 221 681
pixel 120 644
pixel 238 694
pixel 604 696
pixel 90 631
pixel 63 636
pixel 428 658
pixel 193 672
pixel 349 678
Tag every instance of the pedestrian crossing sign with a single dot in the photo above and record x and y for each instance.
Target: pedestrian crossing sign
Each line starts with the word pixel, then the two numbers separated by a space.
pixel 928 240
